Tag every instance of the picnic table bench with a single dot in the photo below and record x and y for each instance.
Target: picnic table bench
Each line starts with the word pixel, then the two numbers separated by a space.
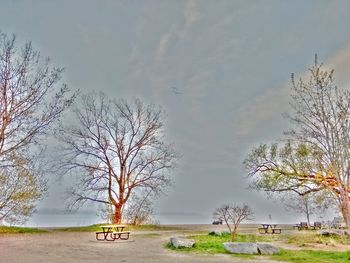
pixel 269 229
pixel 305 226
pixel 112 233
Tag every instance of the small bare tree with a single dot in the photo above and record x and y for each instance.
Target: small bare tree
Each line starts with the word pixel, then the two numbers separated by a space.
pixel 233 215
pixel 116 147
pixel 30 102
pixel 140 208
pixel 313 203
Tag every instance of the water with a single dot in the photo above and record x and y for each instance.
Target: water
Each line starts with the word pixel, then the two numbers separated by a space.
pixel 63 219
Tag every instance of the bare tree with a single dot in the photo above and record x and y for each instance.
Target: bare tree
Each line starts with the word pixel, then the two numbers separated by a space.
pixel 316 156
pixel 310 204
pixel 30 102
pixel 139 209
pixel 116 147
pixel 233 215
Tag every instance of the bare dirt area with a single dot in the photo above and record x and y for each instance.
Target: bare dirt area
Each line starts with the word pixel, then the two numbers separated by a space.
pixel 77 247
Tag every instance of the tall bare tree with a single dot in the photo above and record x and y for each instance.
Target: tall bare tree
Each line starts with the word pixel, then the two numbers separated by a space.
pixel 31 100
pixel 116 147
pixel 316 155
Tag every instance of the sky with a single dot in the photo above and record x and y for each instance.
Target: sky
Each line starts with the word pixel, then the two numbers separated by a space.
pixel 229 61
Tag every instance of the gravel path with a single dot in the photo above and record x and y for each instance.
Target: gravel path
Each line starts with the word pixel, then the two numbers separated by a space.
pixel 82 247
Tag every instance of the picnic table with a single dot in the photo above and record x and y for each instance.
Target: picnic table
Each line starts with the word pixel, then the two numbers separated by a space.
pixel 112 233
pixel 269 229
pixel 305 226
pixel 301 226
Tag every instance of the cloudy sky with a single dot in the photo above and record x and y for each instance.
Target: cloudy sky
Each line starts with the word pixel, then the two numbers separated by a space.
pixel 230 62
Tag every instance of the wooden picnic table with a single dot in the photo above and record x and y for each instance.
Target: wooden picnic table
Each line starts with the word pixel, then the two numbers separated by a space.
pixel 112 233
pixel 269 229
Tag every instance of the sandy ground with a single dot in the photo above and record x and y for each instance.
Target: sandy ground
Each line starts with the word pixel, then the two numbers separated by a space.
pixel 83 247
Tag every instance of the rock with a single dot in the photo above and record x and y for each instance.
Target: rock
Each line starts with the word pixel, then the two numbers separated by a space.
pixel 241 247
pixel 181 242
pixel 267 249
pixel 333 232
pixel 251 248
pixel 218 233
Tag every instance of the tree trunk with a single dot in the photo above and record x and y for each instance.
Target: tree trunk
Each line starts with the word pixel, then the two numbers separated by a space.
pixel 118 214
pixel 346 213
pixel 307 212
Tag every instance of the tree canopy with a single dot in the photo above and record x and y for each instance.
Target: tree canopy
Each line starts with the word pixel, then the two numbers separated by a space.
pixel 314 155
pixel 31 101
pixel 116 147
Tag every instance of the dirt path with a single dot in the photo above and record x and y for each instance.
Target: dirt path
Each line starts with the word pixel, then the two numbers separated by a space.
pixel 82 247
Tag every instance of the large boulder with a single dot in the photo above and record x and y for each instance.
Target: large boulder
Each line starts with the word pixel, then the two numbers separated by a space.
pixel 267 249
pixel 181 242
pixel 241 247
pixel 251 248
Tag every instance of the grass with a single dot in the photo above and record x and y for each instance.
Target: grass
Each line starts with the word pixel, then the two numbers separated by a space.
pixel 312 238
pixel 19 230
pixel 97 227
pixel 312 256
pixel 207 244
pixel 91 228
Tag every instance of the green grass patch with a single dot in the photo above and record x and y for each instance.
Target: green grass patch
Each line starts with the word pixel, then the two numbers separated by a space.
pixel 91 228
pixel 314 238
pixel 209 244
pixel 97 227
pixel 312 256
pixel 19 230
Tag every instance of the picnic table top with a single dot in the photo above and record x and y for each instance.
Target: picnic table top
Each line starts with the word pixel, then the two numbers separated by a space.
pixel 269 224
pixel 113 226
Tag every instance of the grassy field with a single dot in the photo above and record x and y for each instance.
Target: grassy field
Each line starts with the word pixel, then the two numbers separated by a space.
pixel 312 256
pixel 91 228
pixel 207 244
pixel 19 230
pixel 97 227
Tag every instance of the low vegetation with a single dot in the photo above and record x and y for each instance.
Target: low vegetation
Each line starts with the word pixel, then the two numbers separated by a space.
pixel 213 244
pixel 210 244
pixel 97 227
pixel 19 230
pixel 312 256
pixel 305 239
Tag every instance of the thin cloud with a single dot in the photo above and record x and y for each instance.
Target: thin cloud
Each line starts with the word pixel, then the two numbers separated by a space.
pixel 270 105
pixel 191 12
pixel 340 62
pixel 163 45
pixel 191 15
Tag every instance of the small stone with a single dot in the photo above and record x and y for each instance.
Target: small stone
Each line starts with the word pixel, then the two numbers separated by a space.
pixel 180 242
